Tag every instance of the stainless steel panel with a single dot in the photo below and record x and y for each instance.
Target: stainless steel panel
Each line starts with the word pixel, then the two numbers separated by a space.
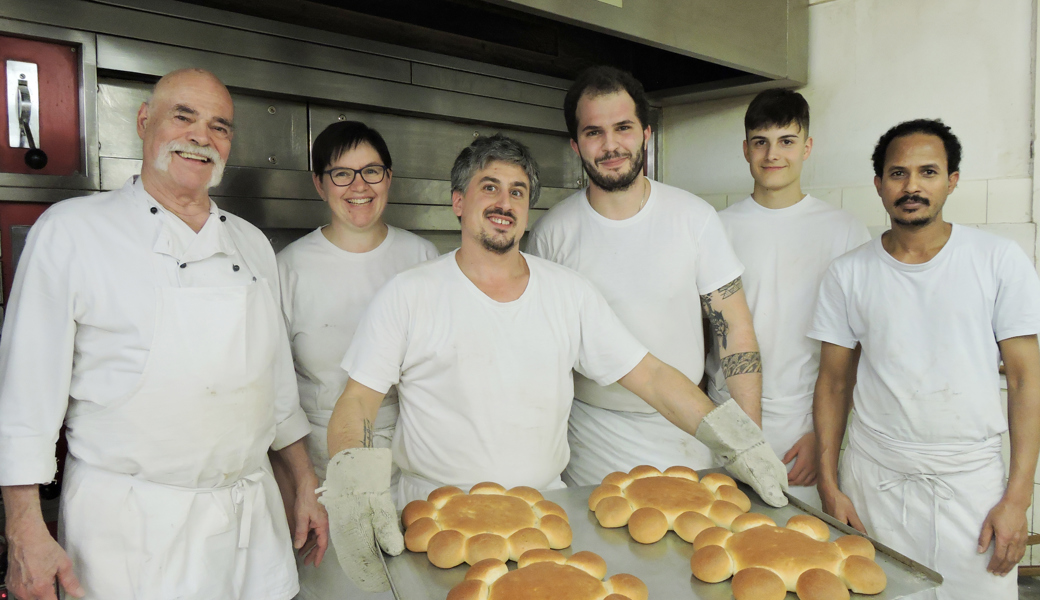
pixel 427 148
pixel 88 179
pixel 244 182
pixel 134 56
pixel 269 134
pixel 34 194
pixel 750 35
pixel 482 85
pixel 664 566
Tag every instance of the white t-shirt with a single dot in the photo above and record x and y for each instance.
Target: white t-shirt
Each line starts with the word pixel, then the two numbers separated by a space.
pixel 485 387
pixel 928 371
pixel 652 268
pixel 82 314
pixel 325 290
pixel 785 254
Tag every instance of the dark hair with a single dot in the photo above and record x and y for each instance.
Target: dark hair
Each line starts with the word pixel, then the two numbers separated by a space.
pixel 497 148
pixel 341 137
pixel 777 108
pixel 599 81
pixel 928 127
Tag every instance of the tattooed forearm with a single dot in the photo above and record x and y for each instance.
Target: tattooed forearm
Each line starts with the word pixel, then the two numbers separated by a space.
pixel 730 288
pixel 741 363
pixel 719 326
pixel 367 441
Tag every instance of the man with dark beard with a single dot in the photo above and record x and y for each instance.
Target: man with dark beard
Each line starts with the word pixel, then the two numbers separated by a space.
pixel 480 343
pixel 659 255
pixel 933 306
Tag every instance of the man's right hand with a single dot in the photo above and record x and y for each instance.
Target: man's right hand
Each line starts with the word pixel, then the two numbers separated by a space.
pixel 839 506
pixel 35 560
pixel 361 513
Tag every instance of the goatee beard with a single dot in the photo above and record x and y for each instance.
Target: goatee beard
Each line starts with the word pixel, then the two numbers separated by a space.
pixel 620 182
pixel 496 246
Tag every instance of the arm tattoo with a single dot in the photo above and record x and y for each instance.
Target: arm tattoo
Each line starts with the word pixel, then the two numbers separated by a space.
pixel 719 325
pixel 742 363
pixel 730 288
pixel 367 441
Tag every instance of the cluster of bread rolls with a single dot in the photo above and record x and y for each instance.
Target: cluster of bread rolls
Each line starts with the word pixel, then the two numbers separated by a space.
pixel 651 502
pixel 453 527
pixel 766 561
pixel 542 574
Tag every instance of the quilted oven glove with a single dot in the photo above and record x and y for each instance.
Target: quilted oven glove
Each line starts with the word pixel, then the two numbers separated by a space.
pixel 738 442
pixel 356 495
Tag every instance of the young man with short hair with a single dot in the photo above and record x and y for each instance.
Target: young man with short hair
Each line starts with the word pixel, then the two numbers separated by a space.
pixel 934 306
pixel 786 240
pixel 657 253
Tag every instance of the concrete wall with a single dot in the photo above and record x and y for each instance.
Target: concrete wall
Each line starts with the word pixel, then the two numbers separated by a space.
pixel 872 64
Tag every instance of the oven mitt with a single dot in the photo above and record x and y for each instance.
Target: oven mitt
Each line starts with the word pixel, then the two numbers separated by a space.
pixel 356 495
pixel 739 444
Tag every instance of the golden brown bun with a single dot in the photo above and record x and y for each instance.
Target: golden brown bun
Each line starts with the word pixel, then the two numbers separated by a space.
pixel 590 562
pixel 713 481
pixel 417 536
pixel 544 574
pixel 810 526
pixel 651 502
pixel 734 496
pixel 487 570
pixel 469 590
pixel 613 512
pixel 712 564
pixel 627 586
pixel 749 520
pixel 758 584
pixel 417 509
pixel 723 513
pixel 447 549
pixel 647 525
pixel 855 545
pixel 818 584
pixel 490 522
pixel 712 536
pixel 817 570
pixel 863 576
pixel 690 524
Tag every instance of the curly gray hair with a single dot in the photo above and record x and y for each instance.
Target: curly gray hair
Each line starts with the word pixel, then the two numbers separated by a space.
pixel 497 148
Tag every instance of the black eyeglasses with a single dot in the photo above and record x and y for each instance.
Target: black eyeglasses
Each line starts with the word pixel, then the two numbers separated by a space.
pixel 372 174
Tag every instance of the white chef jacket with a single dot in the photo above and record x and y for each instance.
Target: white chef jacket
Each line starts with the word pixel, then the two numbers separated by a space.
pixel 82 314
pixel 485 387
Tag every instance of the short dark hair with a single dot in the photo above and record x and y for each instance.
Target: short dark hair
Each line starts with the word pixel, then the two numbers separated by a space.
pixel 497 148
pixel 777 108
pixel 928 127
pixel 341 137
pixel 600 81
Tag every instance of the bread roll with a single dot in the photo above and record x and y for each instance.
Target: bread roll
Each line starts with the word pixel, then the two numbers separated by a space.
pixel 855 545
pixel 712 536
pixel 647 525
pixel 690 524
pixel 490 522
pixel 862 575
pixel 546 574
pixel 819 584
pixel 810 526
pixel 748 520
pixel 758 584
pixel 712 564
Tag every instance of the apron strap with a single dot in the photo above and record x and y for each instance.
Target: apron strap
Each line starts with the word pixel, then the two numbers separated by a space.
pixel 244 507
pixel 940 490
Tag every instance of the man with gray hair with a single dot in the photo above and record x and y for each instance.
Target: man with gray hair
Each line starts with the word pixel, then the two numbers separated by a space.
pixel 146 319
pixel 480 344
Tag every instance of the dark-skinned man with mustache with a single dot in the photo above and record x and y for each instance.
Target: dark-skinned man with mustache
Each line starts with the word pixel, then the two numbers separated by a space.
pixel 934 306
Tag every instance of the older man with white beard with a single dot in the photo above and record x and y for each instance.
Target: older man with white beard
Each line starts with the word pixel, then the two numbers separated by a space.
pixel 146 319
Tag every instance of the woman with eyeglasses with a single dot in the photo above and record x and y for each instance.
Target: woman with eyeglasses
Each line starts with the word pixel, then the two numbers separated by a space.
pixel 327 279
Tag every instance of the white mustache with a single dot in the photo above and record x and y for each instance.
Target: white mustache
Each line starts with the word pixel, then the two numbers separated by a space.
pixel 162 163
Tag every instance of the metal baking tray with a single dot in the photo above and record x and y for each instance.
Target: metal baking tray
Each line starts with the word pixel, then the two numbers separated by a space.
pixel 664 566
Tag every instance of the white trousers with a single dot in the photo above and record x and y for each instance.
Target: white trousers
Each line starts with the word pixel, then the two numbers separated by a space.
pixel 782 428
pixel 931 511
pixel 603 441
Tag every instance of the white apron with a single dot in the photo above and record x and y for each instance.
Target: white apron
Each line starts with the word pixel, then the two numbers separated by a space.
pixel 928 501
pixel 603 441
pixel 784 422
pixel 168 492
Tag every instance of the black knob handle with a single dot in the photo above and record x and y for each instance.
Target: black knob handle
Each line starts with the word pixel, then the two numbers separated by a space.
pixel 36 158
